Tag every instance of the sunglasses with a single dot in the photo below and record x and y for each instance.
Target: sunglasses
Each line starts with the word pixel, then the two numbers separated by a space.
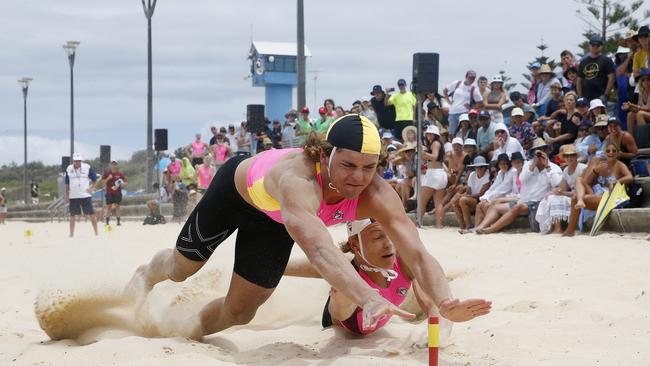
pixel 610 151
pixel 583 129
pixel 500 132
pixel 595 44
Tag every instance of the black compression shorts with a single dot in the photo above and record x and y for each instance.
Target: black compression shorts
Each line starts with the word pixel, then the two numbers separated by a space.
pixel 263 246
pixel 114 198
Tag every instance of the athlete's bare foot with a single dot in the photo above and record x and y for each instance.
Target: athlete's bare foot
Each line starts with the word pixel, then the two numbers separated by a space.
pixel 137 289
pixel 580 204
pixel 568 234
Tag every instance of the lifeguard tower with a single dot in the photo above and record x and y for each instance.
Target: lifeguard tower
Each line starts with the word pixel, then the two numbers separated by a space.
pixel 273 66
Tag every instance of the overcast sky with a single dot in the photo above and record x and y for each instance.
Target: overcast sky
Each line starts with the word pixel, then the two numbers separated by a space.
pixel 200 65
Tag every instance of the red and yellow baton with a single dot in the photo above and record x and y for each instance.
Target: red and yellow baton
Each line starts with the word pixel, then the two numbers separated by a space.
pixel 434 340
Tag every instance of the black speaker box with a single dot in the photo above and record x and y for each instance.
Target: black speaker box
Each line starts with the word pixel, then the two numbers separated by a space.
pixel 65 161
pixel 160 139
pixel 105 154
pixel 425 72
pixel 255 117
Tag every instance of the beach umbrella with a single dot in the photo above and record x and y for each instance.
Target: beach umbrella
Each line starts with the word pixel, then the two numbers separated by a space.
pixel 610 200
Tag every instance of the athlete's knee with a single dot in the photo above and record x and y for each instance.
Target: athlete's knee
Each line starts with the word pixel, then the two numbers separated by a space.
pixel 242 313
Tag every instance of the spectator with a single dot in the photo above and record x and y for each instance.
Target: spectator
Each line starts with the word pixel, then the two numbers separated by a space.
pixel 434 181
pixel 323 122
pixel 483 85
pixel 640 113
pixel 213 140
pixel 627 148
pixel 267 144
pixel 595 73
pixel 80 179
pixel 456 165
pixel 34 191
pixel 204 174
pixel 503 143
pixel 386 138
pixel 485 136
pixel 288 129
pixel 546 79
pixel 276 134
pixel 432 116
pixel 600 177
pixel 405 104
pixel 231 137
pixel 495 99
pixel 174 166
pixel 570 79
pixel 474 123
pixel 187 172
pixel 463 95
pixel 582 142
pixel 520 129
pixel 596 108
pixel 221 152
pixel 385 113
pixel 244 140
pixel 410 136
pixel 224 132
pixel 639 62
pixel 196 150
pixel 531 99
pixel 330 106
pixel 570 119
pixel 555 103
pixel 155 204
pixel 406 170
pixel 3 205
pixel 439 105
pixel 567 60
pixel 556 206
pixel 503 186
pixel 356 107
pixel 623 72
pixel 465 201
pixel 469 147
pixel 368 112
pixel 180 198
pixel 339 111
pixel 538 177
pixel 465 127
pixel 305 125
pixel 114 180
pixel 518 100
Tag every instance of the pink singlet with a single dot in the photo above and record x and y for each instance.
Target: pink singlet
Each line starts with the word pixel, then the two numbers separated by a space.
pixel 205 176
pixel 395 293
pixel 197 147
pixel 220 152
pixel 345 210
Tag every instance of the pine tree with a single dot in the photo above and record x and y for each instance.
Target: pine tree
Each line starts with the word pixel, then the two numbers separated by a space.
pixel 540 60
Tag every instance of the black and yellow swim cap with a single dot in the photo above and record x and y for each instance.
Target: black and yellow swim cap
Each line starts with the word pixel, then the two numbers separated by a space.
pixel 354 132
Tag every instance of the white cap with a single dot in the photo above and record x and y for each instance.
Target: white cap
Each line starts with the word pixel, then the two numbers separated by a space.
pixel 357 226
pixel 463 117
pixel 470 142
pixel 433 130
pixel 595 103
pixel 496 79
pixel 517 112
pixel 457 141
pixel 622 49
pixel 77 157
pixel 3 189
pixel 387 135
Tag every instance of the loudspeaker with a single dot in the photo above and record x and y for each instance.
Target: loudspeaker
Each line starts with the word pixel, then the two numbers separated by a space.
pixel 65 161
pixel 160 139
pixel 425 72
pixel 255 117
pixel 104 154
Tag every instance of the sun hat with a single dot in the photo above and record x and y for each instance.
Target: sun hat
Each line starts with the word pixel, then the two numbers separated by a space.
pixel 457 141
pixel 545 69
pixel 391 147
pixel 503 157
pixel 516 156
pixel 517 112
pixel 496 79
pixel 568 150
pixel 408 128
pixel 622 49
pixel 479 161
pixel 601 121
pixel 432 129
pixel 595 103
pixel 387 135
pixel 463 117
pixel 538 143
pixel 469 142
pixel 376 89
pixel 77 157
pixel 406 148
pixel 443 130
pixel 354 132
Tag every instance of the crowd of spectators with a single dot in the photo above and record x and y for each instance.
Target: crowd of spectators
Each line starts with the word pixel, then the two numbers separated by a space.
pixel 545 153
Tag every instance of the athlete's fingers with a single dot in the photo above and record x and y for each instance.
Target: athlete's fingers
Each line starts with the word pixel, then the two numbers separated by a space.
pixel 402 313
pixel 482 312
pixel 480 306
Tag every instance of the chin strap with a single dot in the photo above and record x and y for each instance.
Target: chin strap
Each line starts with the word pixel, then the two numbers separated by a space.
pixel 329 166
pixel 389 274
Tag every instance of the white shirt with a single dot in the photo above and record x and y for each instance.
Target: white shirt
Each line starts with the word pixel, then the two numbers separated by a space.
pixel 79 180
pixel 511 145
pixel 461 96
pixel 475 183
pixel 571 178
pixel 536 184
pixel 505 184
pixel 232 138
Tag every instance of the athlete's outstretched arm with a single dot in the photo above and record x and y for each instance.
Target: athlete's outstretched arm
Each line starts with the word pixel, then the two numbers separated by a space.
pixel 299 201
pixel 380 202
pixel 301 268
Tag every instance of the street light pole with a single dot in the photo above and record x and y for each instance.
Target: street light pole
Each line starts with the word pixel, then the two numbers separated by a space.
pixel 71 49
pixel 148 9
pixel 24 83
pixel 302 102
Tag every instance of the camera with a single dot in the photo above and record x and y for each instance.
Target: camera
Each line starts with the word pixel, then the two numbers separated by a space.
pixel 538 153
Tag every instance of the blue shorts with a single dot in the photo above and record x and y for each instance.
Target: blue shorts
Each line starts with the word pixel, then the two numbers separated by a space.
pixel 81 204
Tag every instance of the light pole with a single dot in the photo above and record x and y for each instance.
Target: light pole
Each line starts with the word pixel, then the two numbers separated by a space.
pixel 149 7
pixel 300 64
pixel 71 49
pixel 24 83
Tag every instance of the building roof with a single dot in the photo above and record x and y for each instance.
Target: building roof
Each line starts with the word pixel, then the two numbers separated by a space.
pixel 276 48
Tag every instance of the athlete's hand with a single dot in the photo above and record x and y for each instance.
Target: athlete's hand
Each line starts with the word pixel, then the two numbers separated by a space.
pixel 376 308
pixel 462 311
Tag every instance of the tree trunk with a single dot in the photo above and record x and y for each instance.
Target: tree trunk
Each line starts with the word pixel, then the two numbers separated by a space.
pixel 604 30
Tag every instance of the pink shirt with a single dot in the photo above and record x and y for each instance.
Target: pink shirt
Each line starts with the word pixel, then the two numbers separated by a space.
pixel 205 176
pixel 174 168
pixel 197 148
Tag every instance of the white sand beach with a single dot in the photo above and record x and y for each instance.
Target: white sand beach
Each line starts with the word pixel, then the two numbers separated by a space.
pixel 579 301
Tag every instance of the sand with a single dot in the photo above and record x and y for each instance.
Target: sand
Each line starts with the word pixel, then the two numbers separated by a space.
pixel 580 301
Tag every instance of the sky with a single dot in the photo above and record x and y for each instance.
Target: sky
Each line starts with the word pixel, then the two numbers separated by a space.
pixel 200 68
